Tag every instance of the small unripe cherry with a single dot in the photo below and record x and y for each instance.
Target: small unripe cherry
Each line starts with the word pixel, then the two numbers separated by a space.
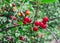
pixel 45 19
pixel 40 35
pixel 21 38
pixel 14 8
pixel 20 14
pixel 27 12
pixel 36 23
pixel 32 37
pixel 35 29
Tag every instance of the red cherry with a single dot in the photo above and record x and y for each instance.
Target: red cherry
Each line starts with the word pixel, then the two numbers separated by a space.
pixel 11 17
pixel 36 23
pixel 27 20
pixel 35 29
pixel 21 38
pixel 42 25
pixel 14 18
pixel 44 22
pixel 45 19
pixel 15 24
pixel 27 12
pixel 24 22
pixel 13 5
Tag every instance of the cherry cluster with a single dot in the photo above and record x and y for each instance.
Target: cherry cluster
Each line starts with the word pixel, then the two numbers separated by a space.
pixel 27 20
pixel 40 24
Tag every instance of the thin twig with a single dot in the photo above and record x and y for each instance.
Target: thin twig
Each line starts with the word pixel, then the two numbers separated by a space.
pixel 54 18
pixel 53 35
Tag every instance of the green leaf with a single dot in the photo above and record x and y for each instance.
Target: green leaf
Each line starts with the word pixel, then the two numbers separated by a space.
pixel 59 0
pixel 21 31
pixel 47 1
pixel 40 30
pixel 26 0
pixel 20 23
pixel 7 1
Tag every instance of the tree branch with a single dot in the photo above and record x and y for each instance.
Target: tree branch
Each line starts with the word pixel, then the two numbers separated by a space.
pixel 6 29
pixel 19 25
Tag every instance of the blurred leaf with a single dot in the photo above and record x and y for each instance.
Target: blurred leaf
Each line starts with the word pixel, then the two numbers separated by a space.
pixel 21 31
pixel 20 23
pixel 59 0
pixel 26 0
pixel 47 1
pixel 7 1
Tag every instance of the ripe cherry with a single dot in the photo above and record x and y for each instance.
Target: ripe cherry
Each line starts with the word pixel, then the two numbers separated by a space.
pixel 36 23
pixel 45 19
pixel 12 17
pixel 40 35
pixel 13 5
pixel 44 22
pixel 24 22
pixel 27 12
pixel 21 38
pixel 42 25
pixel 15 24
pixel 35 29
pixel 27 20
